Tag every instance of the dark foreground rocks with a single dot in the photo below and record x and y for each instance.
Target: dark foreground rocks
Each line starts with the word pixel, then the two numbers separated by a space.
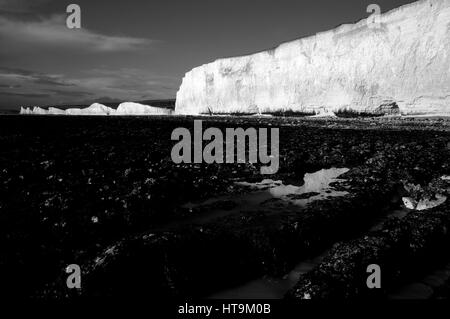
pixel 103 193
pixel 403 248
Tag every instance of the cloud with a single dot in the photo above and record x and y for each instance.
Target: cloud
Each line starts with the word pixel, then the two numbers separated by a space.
pixel 25 95
pixel 31 76
pixel 20 86
pixel 129 82
pixel 26 87
pixel 9 86
pixel 45 63
pixel 21 5
pixel 75 94
pixel 52 32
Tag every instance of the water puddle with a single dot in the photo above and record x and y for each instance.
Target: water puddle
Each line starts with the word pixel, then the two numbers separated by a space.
pixel 399 213
pixel 316 186
pixel 270 195
pixel 267 287
pixel 423 288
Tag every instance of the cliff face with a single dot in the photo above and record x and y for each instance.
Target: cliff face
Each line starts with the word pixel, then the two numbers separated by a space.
pixel 126 108
pixel 402 59
pixel 130 108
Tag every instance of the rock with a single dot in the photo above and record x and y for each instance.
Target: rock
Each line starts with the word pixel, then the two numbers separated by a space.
pixel 399 244
pixel 409 202
pixel 399 66
pixel 388 108
pixel 429 203
pixel 427 197
pixel 303 196
pixel 324 113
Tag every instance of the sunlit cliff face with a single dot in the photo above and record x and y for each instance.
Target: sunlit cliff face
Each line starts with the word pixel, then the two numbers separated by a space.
pixel 402 61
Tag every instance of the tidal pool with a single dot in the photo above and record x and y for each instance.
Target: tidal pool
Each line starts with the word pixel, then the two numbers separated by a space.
pixel 268 287
pixel 316 185
pixel 270 195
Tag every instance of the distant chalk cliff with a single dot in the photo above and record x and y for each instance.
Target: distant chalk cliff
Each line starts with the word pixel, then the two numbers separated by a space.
pixel 126 108
pixel 399 62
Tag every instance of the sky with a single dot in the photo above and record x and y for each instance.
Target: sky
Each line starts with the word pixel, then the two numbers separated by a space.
pixel 134 50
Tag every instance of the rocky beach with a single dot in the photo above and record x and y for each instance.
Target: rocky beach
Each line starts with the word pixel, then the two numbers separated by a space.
pixel 103 193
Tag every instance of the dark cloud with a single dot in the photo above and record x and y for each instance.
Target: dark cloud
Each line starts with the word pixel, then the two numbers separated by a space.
pixel 52 33
pixel 103 99
pixel 76 94
pixel 9 70
pixel 10 86
pixel 25 95
pixel 21 5
pixel 128 83
pixel 19 16
pixel 50 81
pixel 36 77
pixel 104 85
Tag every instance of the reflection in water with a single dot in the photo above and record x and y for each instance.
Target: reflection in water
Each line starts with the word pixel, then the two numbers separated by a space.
pixel 269 288
pixel 270 195
pixel 316 186
pixel 424 287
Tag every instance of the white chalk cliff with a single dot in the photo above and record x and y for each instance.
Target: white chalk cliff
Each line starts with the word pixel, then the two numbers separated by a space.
pixel 127 108
pixel 401 58
pixel 94 109
pixel 130 108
